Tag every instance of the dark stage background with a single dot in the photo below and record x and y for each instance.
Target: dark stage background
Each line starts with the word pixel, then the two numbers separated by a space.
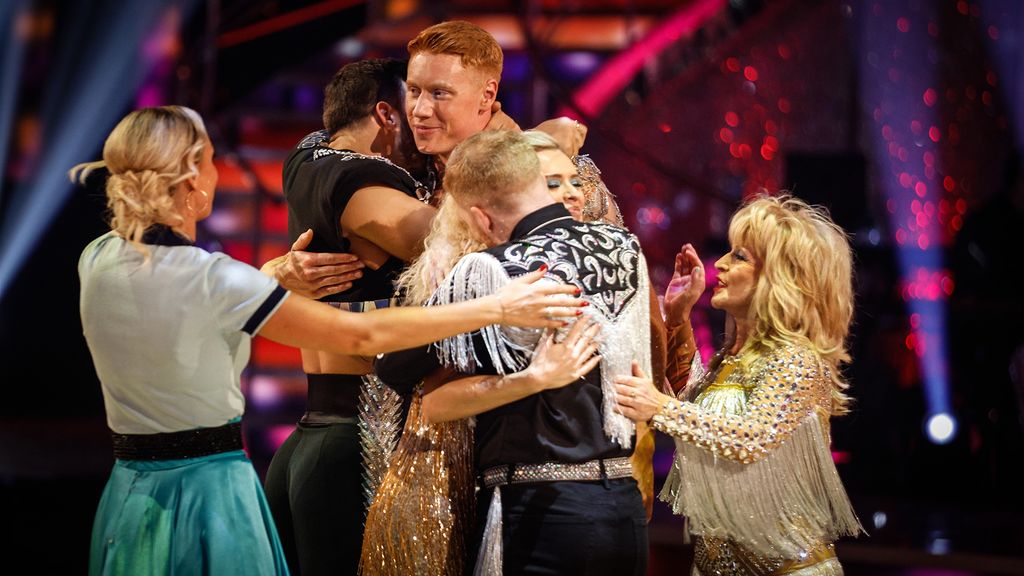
pixel 904 117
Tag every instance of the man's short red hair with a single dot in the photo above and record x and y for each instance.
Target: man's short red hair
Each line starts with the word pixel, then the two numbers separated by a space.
pixel 472 44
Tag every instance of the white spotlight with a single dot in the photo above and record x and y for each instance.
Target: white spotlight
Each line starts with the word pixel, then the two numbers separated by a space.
pixel 880 519
pixel 941 428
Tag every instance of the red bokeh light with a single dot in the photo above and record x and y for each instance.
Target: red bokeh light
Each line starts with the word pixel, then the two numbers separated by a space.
pixel 903 25
pixel 934 133
pixel 750 73
pixel 732 119
pixel 930 97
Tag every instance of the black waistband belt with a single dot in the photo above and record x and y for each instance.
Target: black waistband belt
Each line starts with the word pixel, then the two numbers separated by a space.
pixel 175 445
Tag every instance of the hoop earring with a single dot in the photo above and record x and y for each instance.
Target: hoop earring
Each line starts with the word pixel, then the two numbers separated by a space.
pixel 206 199
pixel 188 201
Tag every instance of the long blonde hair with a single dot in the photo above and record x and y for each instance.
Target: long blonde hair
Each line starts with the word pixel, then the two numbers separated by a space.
pixel 149 152
pixel 804 293
pixel 450 238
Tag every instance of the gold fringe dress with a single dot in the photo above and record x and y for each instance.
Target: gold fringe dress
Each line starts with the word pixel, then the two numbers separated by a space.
pixel 419 520
pixel 753 471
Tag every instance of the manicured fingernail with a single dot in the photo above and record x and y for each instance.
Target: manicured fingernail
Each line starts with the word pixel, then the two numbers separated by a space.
pixel 543 267
pixel 578 291
pixel 585 303
pixel 579 312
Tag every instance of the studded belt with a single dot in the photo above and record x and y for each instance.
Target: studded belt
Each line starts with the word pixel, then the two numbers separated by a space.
pixel 175 445
pixel 557 472
pixel 364 306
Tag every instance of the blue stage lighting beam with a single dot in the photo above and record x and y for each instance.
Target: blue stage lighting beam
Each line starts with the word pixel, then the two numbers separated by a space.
pixel 897 67
pixel 95 79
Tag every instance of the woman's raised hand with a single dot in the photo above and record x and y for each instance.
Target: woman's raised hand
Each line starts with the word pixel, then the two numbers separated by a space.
pixel 686 286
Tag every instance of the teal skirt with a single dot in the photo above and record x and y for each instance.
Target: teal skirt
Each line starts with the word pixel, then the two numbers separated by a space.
pixel 204 515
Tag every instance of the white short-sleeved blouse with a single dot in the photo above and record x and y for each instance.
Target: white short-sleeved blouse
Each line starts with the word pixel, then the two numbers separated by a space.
pixel 169 336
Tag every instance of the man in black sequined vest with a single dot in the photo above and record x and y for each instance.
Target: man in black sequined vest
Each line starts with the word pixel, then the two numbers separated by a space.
pixel 559 457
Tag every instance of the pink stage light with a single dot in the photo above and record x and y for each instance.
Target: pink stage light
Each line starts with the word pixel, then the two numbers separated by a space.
pixel 609 81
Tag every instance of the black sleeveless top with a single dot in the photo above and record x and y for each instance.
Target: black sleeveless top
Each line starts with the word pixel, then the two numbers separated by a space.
pixel 318 183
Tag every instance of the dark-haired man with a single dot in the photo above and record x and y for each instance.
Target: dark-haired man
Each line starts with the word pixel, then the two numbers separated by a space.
pixel 347 184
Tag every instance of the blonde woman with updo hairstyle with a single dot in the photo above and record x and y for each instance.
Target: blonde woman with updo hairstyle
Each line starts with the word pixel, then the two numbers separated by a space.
pixel 753 472
pixel 169 326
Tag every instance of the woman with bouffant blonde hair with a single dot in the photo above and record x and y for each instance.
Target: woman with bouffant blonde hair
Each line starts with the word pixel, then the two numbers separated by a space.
pixel 169 326
pixel 805 296
pixel 753 471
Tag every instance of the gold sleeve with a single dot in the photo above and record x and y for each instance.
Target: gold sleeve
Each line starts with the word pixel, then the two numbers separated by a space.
pixel 790 386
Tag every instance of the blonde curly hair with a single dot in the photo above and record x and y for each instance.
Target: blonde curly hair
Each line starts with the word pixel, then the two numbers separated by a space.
pixel 449 239
pixel 149 153
pixel 804 293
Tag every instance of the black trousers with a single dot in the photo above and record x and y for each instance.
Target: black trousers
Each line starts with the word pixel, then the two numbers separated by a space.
pixel 314 488
pixel 570 528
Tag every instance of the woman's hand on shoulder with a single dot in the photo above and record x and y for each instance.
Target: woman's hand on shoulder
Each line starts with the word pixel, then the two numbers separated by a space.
pixel 570 134
pixel 527 303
